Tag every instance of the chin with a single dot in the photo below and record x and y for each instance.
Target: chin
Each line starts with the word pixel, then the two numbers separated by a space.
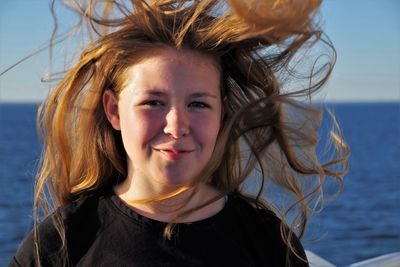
pixel 176 180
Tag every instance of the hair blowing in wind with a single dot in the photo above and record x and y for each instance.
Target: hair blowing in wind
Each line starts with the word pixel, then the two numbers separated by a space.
pixel 269 130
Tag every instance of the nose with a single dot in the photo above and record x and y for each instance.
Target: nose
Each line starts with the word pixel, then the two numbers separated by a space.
pixel 177 123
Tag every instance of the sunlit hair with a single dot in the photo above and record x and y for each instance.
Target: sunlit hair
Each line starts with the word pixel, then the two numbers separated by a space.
pixel 269 131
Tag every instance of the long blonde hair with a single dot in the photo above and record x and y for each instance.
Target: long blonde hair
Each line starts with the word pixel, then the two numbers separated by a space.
pixel 266 134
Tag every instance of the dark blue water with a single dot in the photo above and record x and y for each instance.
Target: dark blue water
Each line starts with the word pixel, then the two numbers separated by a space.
pixel 19 152
pixel 363 222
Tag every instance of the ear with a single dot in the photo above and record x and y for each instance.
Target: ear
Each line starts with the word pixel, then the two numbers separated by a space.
pixel 110 105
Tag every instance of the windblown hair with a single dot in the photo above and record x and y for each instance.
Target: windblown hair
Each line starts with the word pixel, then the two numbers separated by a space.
pixel 269 133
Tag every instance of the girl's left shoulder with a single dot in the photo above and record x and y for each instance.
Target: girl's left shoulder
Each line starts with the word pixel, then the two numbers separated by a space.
pixel 240 205
pixel 264 227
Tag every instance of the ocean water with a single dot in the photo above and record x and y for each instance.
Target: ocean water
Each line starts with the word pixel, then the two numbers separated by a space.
pixel 363 222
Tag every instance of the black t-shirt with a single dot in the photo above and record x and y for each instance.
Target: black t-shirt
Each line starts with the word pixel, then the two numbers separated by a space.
pixel 101 230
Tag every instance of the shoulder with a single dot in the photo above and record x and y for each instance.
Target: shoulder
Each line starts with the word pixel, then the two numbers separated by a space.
pixel 251 214
pixel 264 227
pixel 79 216
pixel 49 239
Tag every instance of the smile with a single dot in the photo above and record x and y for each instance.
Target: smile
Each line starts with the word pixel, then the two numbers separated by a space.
pixel 173 154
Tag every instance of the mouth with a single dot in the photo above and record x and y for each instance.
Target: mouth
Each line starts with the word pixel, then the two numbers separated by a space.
pixel 174 154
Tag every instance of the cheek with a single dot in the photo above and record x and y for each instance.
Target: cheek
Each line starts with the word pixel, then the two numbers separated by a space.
pixel 138 129
pixel 206 129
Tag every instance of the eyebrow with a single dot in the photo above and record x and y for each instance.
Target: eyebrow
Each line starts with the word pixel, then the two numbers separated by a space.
pixel 202 94
pixel 193 95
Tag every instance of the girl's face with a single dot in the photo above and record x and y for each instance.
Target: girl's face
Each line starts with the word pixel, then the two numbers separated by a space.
pixel 169 115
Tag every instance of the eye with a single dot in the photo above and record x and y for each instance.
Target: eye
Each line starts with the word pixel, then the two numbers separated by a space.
pixel 153 103
pixel 198 104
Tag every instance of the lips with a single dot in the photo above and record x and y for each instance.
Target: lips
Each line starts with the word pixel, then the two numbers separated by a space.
pixel 174 154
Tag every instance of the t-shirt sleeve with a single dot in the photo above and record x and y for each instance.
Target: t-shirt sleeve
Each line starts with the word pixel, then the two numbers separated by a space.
pixel 301 258
pixel 25 253
pixel 49 248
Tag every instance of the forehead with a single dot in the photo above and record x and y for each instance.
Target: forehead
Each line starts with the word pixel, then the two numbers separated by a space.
pixel 165 55
pixel 169 67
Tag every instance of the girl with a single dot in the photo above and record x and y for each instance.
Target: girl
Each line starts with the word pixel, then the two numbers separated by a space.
pixel 151 137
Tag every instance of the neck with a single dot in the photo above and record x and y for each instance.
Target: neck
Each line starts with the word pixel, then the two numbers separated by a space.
pixel 136 196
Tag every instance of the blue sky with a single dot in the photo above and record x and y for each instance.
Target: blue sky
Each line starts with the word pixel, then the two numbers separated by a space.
pixel 365 33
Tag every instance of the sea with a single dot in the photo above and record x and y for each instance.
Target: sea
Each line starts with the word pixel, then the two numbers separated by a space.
pixel 361 223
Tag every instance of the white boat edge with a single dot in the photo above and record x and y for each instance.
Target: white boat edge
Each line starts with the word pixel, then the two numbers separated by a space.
pixel 316 261
pixel 387 260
